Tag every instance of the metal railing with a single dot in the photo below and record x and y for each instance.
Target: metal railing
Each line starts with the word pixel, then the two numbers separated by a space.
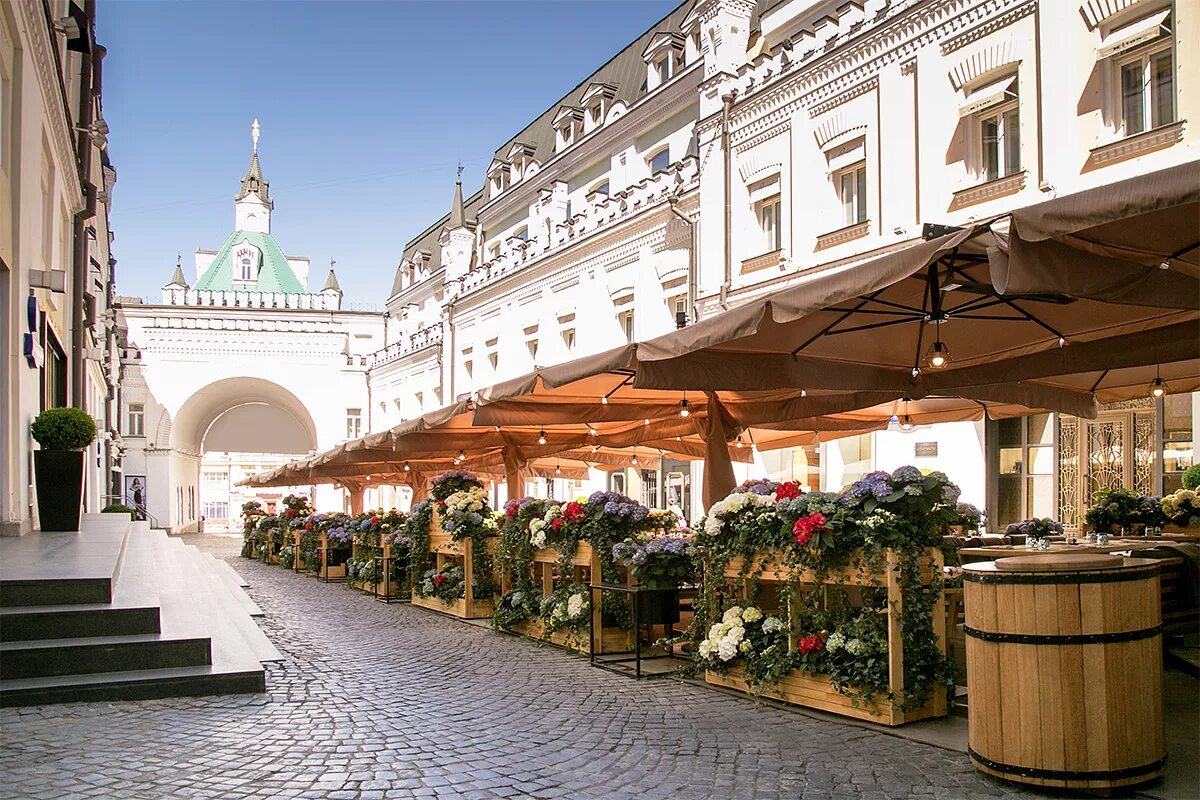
pixel 139 511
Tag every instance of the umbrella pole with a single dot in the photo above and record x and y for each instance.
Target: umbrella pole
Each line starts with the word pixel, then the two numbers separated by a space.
pixel 718 467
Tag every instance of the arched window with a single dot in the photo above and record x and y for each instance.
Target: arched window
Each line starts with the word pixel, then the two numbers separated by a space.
pixel 660 160
pixel 247 269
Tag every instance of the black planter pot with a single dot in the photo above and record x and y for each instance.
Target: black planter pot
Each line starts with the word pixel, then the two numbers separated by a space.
pixel 658 608
pixel 59 478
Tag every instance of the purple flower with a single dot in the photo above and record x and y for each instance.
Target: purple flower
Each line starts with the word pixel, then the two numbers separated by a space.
pixel 907 474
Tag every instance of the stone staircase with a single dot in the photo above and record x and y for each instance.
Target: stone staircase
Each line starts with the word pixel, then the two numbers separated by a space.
pixel 118 611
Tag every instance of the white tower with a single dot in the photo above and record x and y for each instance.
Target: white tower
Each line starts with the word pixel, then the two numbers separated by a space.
pixel 253 203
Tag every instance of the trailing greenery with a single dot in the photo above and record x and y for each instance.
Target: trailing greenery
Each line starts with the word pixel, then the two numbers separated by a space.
pixel 462 507
pixel 63 429
pixel 810 545
pixel 116 508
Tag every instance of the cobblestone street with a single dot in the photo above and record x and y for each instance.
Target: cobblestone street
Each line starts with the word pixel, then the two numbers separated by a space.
pixel 379 701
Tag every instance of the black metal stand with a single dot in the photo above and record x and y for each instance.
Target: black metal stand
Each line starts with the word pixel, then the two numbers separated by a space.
pixel 620 662
pixel 384 566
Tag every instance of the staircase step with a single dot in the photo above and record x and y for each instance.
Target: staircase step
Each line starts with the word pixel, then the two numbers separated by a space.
pixel 45 657
pixel 132 685
pixel 233 631
pixel 75 621
pixel 64 568
pixel 213 566
pixel 233 574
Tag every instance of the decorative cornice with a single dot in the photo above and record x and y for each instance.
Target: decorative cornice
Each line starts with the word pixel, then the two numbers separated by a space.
pixel 1010 184
pixel 869 85
pixel 32 18
pixel 992 25
pixel 1136 145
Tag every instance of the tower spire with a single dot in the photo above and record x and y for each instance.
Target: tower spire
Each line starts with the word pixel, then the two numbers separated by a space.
pixel 254 129
pixel 458 219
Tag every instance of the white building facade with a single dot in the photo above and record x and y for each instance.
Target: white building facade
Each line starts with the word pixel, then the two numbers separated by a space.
pixel 58 329
pixel 238 370
pixel 791 137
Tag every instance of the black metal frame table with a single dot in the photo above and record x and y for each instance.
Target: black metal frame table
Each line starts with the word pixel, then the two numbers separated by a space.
pixel 620 665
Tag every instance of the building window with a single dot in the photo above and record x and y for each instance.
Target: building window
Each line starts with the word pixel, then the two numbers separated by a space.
pixel 214 510
pixel 532 344
pixel 522 233
pixel 568 337
pixel 663 67
pixel 215 482
pixel 469 368
pixel 1025 484
pixel 247 269
pixel 137 420
pixel 995 109
pixel 493 359
pixel 601 188
pixel 852 192
pixel 660 161
pixel 1148 90
pixel 626 320
pixel 353 423
pixel 769 219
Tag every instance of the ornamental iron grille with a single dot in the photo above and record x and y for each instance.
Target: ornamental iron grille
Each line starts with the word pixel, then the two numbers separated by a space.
pixel 1068 471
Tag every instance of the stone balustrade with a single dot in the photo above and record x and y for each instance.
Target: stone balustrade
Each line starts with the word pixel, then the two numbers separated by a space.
pixel 247 299
pixel 426 337
pixel 682 176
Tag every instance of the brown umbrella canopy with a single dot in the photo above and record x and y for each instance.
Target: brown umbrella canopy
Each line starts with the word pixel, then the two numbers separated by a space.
pixel 1137 241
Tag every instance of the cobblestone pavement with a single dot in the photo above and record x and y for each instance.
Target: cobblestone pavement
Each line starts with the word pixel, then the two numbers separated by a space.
pixel 389 701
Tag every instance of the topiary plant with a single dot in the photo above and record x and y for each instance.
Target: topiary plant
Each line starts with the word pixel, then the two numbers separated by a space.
pixel 1191 477
pixel 64 429
pixel 116 508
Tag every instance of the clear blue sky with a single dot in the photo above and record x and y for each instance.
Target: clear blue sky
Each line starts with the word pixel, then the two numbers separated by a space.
pixel 365 107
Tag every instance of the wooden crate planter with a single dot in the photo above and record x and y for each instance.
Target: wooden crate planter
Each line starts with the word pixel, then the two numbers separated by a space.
pixel 586 567
pixel 445 550
pixel 331 560
pixel 816 691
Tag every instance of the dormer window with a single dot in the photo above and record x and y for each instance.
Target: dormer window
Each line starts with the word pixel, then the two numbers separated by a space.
pixel 247 269
pixel 520 156
pixel 568 127
pixel 664 58
pixel 597 100
pixel 498 177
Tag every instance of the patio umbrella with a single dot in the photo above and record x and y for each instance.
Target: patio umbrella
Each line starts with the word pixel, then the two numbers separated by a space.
pixel 1136 241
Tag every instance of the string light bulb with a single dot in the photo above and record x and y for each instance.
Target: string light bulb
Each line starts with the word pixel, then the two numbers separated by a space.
pixel 407 468
pixel 739 443
pixel 635 459
pixel 1158 387
pixel 592 431
pixel 905 423
pixel 683 408
pixel 541 437
pixel 604 400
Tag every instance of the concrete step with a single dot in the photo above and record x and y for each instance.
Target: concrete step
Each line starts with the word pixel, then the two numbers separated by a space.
pixel 64 568
pixel 233 574
pixel 213 565
pixel 235 635
pixel 46 657
pixel 133 685
pixel 74 621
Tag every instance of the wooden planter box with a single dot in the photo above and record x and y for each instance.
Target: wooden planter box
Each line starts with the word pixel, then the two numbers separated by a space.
pixel 612 640
pixel 445 550
pixel 326 571
pixel 812 691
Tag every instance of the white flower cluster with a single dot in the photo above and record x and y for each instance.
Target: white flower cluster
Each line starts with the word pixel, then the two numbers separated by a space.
pixel 472 499
pixel 575 607
pixel 537 533
pixel 837 641
pixel 727 638
pixel 731 505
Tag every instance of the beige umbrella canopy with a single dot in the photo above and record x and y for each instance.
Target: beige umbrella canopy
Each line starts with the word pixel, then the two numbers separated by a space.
pixel 929 320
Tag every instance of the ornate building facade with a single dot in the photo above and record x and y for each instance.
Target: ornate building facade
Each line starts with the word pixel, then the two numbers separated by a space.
pixel 58 326
pixel 737 147
pixel 238 370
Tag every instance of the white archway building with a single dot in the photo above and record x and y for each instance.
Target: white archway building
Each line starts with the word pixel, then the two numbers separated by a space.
pixel 239 371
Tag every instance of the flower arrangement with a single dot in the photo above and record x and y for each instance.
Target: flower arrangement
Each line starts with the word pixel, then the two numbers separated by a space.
pixel 566 608
pixel 296 506
pixel 362 571
pixel 1035 528
pixel 825 538
pixel 447 585
pixel 969 517
pixel 455 480
pixel 287 556
pixel 664 562
pixel 1182 508
pixel 1123 508
pixel 1191 477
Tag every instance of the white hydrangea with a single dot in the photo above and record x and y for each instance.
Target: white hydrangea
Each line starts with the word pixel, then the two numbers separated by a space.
pixel 537 533
pixel 835 642
pixel 772 625
pixel 733 614
pixel 727 650
pixel 575 605
pixel 752 614
pixel 856 647
pixel 712 523
pixel 726 638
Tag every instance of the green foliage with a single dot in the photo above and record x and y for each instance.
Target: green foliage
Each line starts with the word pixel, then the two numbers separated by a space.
pixel 416 530
pixel 64 429
pixel 116 508
pixel 1191 477
pixel 1122 508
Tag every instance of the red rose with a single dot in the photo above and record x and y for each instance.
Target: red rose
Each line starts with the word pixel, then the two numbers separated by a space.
pixel 308 526
pixel 374 520
pixel 812 643
pixel 289 513
pixel 437 579
pixel 802 537
pixel 573 511
pixel 787 490
pixel 510 512
pixel 557 523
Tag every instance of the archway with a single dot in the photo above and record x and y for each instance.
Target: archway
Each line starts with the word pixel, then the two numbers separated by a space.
pixel 225 431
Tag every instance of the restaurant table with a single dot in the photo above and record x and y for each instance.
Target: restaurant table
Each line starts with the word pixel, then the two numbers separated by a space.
pixel 972 554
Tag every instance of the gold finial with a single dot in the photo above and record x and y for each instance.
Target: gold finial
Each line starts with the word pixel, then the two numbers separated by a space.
pixel 254 129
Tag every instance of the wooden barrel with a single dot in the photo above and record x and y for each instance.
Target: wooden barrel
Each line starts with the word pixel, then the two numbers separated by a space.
pixel 1064 669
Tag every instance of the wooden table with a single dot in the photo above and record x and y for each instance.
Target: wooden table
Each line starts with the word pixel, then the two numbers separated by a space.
pixel 972 554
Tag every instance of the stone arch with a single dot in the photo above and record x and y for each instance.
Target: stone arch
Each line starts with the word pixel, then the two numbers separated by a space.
pixel 213 407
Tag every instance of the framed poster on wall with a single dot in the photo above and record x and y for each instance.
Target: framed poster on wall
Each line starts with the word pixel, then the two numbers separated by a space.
pixel 135 494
